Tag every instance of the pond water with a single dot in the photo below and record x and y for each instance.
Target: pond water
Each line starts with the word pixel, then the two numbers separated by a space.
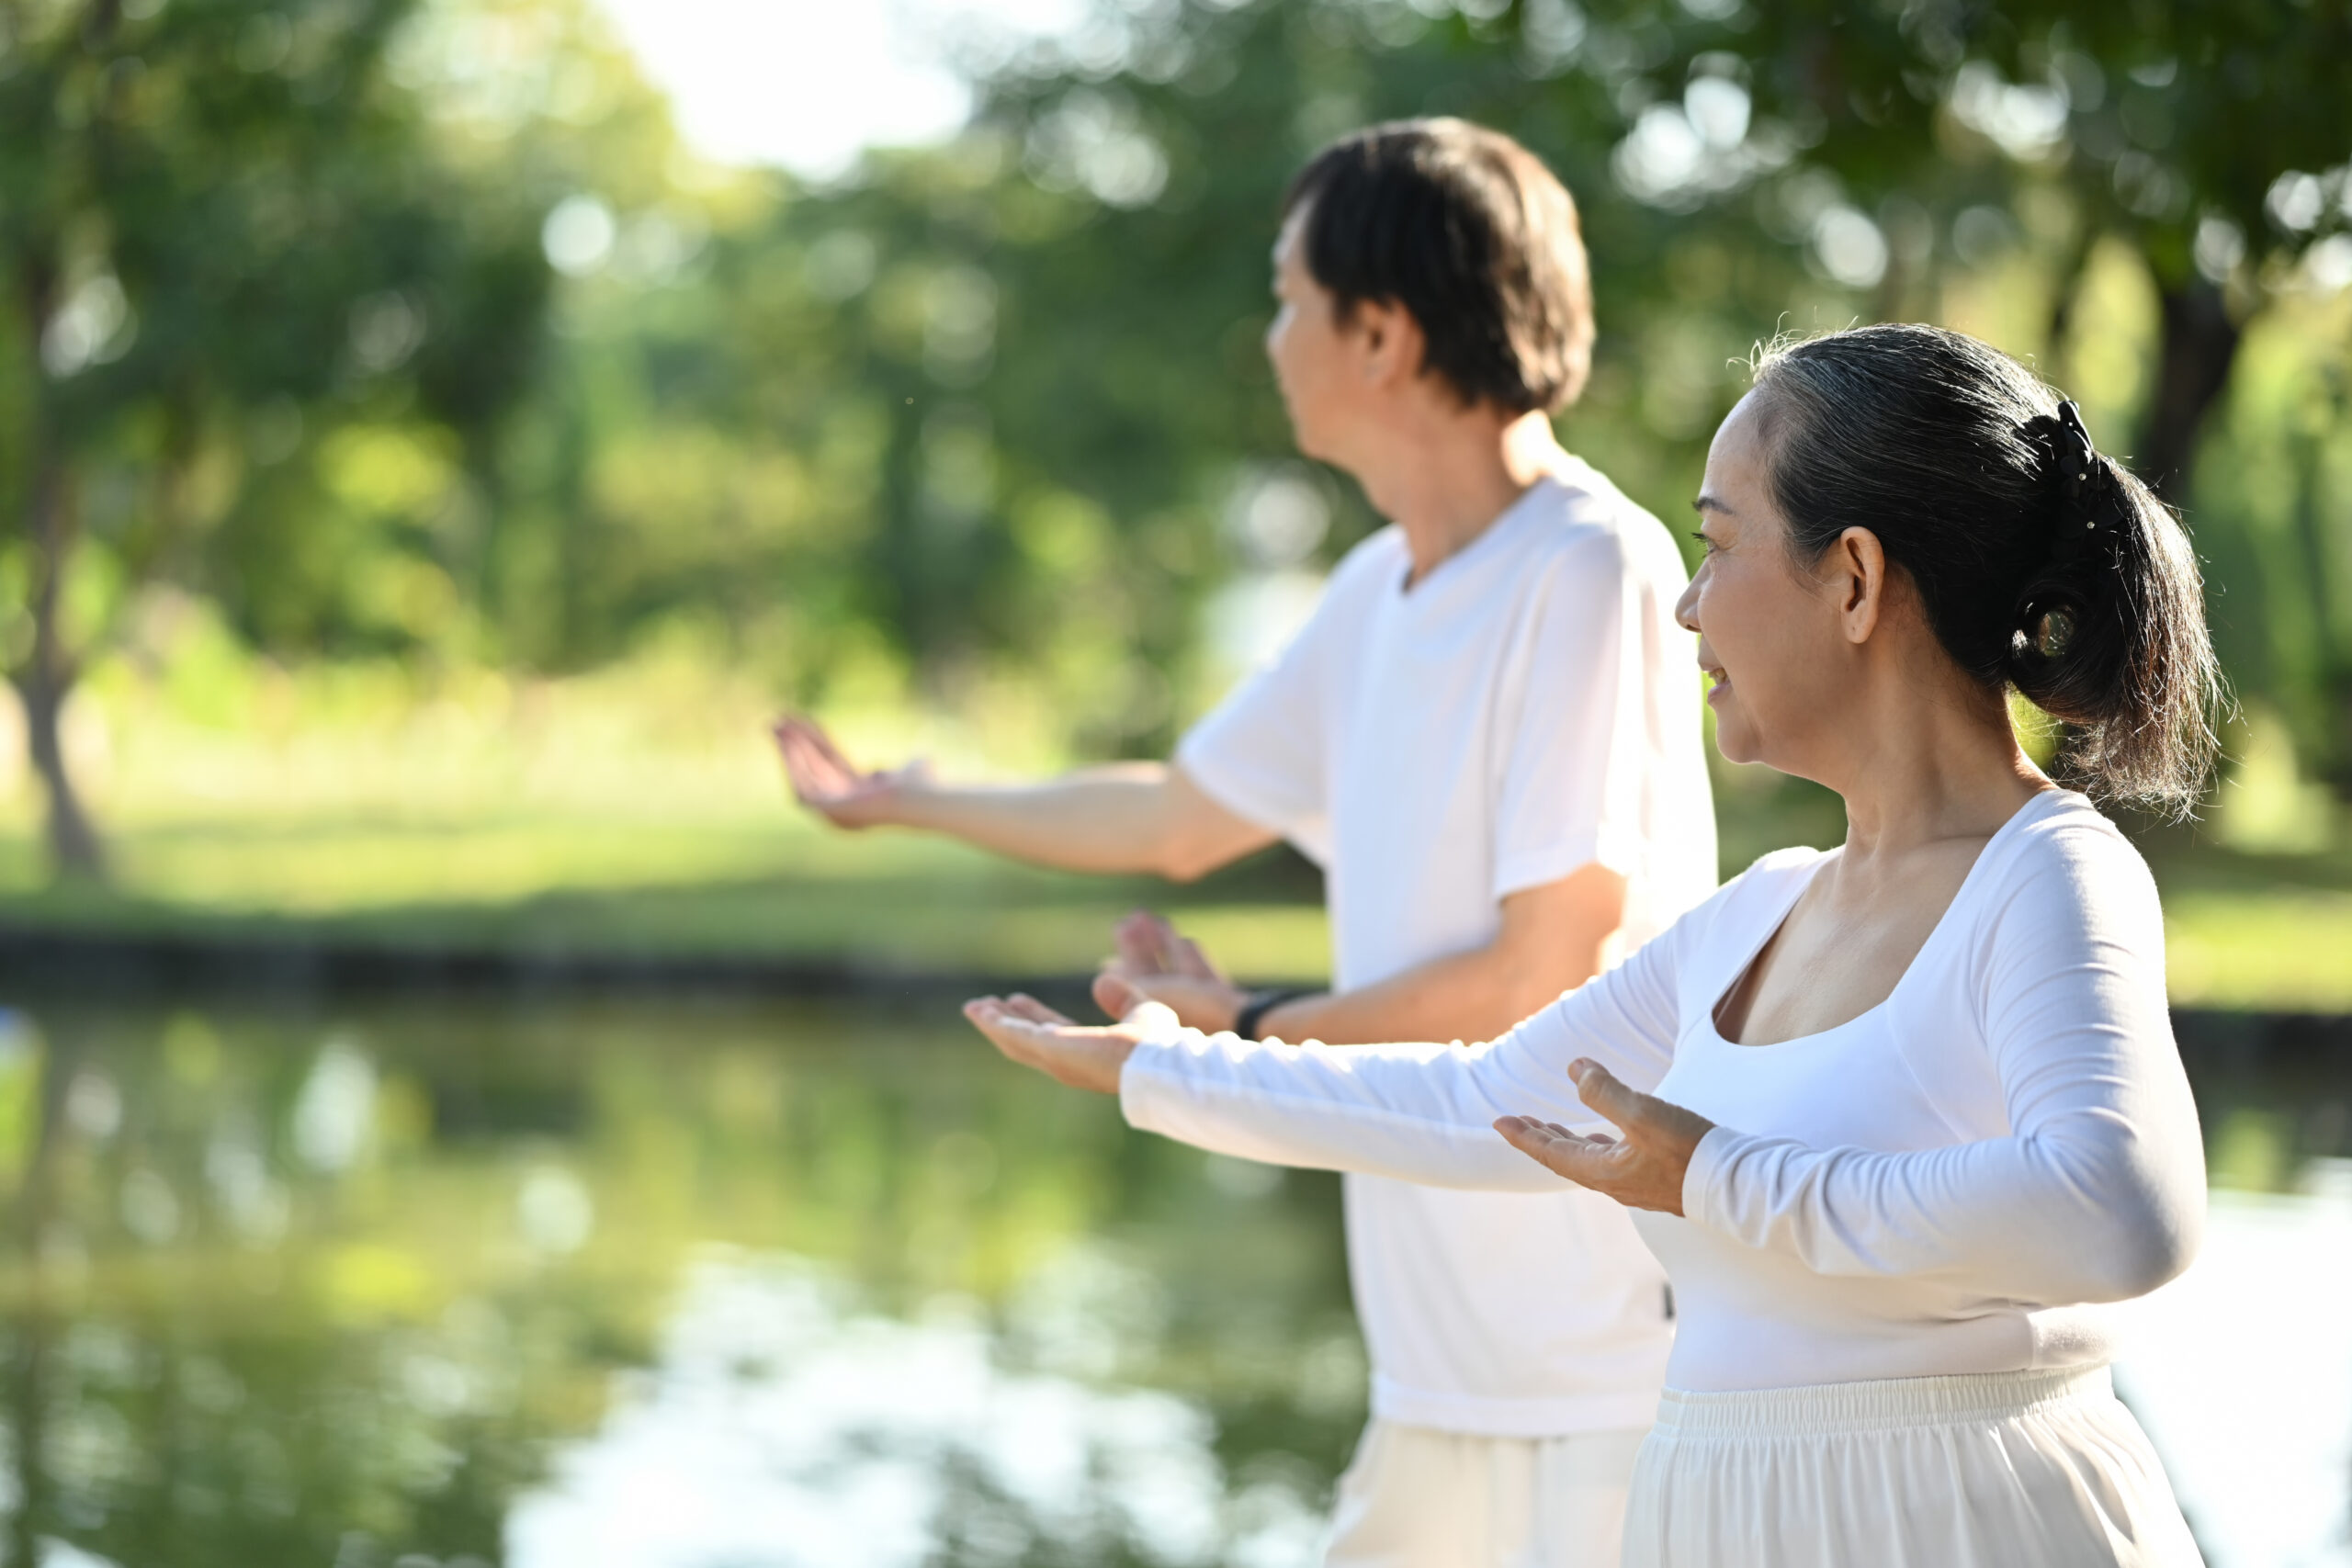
pixel 570 1282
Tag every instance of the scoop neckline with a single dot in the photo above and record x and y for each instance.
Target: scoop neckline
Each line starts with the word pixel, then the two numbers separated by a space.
pixel 1983 857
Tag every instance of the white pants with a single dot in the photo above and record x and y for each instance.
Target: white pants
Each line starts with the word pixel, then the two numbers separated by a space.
pixel 1998 1470
pixel 1415 1497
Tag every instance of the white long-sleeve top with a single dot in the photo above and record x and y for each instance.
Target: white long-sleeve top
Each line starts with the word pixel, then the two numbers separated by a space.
pixel 1947 1183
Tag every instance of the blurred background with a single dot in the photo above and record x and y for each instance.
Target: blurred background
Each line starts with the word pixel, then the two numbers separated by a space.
pixel 454 1111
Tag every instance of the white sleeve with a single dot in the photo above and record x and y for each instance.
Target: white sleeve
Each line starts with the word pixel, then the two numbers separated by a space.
pixel 2099 1191
pixel 1575 723
pixel 1421 1112
pixel 1260 752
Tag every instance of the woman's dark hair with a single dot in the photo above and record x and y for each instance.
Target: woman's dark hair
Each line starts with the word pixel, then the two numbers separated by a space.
pixel 2043 564
pixel 1471 233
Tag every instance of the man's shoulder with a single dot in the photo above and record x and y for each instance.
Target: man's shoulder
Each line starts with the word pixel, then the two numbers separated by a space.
pixel 1370 562
pixel 1590 525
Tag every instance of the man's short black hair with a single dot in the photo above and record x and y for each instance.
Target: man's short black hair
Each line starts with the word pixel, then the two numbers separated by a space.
pixel 1469 231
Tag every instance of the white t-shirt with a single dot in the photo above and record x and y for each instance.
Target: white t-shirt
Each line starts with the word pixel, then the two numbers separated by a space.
pixel 1952 1182
pixel 1527 708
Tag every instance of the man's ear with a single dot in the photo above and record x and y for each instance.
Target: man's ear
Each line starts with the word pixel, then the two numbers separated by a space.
pixel 1856 568
pixel 1393 342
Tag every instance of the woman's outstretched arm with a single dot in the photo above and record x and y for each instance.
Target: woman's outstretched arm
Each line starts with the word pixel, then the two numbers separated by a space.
pixel 1418 1112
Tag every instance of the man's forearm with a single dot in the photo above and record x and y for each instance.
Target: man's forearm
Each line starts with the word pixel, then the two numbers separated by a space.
pixel 1125 816
pixel 1469 996
pixel 1552 939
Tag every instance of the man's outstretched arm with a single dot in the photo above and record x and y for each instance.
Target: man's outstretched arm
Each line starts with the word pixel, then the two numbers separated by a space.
pixel 1552 938
pixel 1126 816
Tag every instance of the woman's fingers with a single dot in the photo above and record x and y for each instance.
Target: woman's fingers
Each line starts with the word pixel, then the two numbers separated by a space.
pixel 1586 1161
pixel 1007 1032
pixel 1600 1088
pixel 1661 1124
pixel 1033 1011
pixel 1037 1036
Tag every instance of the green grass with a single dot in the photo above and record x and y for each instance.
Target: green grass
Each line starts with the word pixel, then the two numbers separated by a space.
pixel 2244 933
pixel 2270 932
pixel 639 813
pixel 631 888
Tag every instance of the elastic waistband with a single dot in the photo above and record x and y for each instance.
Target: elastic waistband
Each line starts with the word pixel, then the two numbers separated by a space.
pixel 1878 1406
pixel 1602 1409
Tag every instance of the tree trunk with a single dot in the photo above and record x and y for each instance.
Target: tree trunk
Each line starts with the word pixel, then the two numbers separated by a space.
pixel 2201 344
pixel 46 679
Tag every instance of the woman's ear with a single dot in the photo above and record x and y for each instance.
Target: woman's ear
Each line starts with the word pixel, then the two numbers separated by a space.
pixel 1857 573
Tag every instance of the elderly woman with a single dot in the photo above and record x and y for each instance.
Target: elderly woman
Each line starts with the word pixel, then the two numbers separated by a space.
pixel 1899 1117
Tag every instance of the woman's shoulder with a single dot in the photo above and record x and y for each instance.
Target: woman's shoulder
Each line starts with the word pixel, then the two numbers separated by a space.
pixel 2062 858
pixel 1777 868
pixel 1770 883
pixel 2060 827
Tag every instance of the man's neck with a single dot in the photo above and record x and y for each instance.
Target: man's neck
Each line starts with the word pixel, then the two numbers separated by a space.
pixel 1446 484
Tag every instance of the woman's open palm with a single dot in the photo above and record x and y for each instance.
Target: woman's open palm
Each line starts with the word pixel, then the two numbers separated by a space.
pixel 1642 1167
pixel 1037 1036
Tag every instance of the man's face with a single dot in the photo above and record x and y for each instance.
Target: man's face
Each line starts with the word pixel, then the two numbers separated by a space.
pixel 1316 360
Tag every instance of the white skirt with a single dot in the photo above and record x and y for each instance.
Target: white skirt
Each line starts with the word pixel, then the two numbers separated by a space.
pixel 1994 1470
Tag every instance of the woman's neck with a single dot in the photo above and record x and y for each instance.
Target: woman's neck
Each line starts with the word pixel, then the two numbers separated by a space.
pixel 1920 767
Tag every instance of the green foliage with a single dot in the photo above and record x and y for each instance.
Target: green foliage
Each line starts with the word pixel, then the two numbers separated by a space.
pixel 972 426
pixel 235 236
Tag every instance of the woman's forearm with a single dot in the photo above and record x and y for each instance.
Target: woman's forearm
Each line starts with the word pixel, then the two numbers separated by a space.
pixel 1381 1110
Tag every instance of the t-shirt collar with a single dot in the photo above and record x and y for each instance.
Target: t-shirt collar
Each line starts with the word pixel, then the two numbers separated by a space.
pixel 1509 521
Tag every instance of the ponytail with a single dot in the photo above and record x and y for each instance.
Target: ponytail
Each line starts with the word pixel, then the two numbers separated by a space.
pixel 2044 564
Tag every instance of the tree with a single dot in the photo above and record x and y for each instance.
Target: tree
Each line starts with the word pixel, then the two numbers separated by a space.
pixel 217 212
pixel 2189 130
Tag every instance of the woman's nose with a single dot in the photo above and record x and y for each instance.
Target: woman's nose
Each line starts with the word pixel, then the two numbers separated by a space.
pixel 1686 609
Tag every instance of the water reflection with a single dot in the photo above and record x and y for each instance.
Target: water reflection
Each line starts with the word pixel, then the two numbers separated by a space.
pixel 398 1285
pixel 784 1424
pixel 444 1284
pixel 2243 1370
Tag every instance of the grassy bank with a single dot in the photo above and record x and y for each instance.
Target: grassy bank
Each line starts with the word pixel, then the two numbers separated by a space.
pixel 640 816
pixel 2243 932
pixel 637 890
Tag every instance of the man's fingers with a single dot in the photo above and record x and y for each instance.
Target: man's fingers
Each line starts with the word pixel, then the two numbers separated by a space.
pixel 821 746
pixel 812 773
pixel 1113 995
pixel 1191 960
pixel 1138 938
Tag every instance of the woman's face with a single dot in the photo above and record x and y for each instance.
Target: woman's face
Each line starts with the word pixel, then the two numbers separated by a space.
pixel 1773 635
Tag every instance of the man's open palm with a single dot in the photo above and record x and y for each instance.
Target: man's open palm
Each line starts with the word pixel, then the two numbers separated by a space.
pixel 1157 964
pixel 826 781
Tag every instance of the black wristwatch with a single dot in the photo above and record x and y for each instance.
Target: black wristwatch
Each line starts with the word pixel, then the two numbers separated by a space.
pixel 1253 1011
